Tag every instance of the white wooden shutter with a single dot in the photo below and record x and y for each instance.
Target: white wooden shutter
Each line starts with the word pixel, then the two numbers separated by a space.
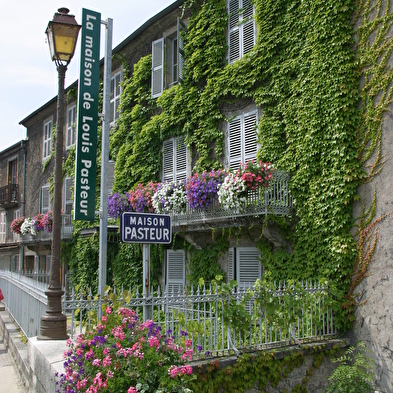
pixel 248 266
pixel 67 197
pixel 3 227
pixel 250 136
pixel 235 142
pixel 231 264
pixel 180 158
pixel 45 199
pixel 175 271
pixel 174 159
pixel 168 167
pixel 157 74
pixel 180 51
pixel 248 28
pixel 233 31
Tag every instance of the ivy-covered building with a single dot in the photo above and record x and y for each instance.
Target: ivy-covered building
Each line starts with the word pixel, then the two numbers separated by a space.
pixel 204 87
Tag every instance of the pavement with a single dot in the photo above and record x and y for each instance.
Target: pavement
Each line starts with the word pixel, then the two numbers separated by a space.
pixel 10 378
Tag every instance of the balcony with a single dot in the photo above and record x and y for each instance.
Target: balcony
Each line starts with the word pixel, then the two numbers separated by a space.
pixel 275 199
pixel 67 229
pixel 9 195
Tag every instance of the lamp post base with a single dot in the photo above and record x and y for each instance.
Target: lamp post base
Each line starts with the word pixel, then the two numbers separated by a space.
pixel 54 322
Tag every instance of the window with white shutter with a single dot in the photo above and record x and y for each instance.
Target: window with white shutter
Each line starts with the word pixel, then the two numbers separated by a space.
pixel 3 227
pixel 244 265
pixel 157 73
pixel 242 139
pixel 71 126
pixel 174 159
pixel 45 199
pixel 115 97
pixel 181 27
pixel 175 271
pixel 47 139
pixel 241 28
pixel 67 195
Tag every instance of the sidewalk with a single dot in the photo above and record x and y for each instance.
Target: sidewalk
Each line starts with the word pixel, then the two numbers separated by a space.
pixel 11 381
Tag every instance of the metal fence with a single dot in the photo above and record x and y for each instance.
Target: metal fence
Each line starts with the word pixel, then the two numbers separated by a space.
pixel 219 323
pixel 25 300
pixel 37 275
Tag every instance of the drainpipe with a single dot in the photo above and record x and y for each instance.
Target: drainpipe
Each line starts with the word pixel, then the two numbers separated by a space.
pixel 22 249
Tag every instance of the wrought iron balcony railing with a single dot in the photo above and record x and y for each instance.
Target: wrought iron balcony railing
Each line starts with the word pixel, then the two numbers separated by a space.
pixel 9 195
pixel 274 199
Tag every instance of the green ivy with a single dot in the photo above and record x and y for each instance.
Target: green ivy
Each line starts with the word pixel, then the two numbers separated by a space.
pixel 323 86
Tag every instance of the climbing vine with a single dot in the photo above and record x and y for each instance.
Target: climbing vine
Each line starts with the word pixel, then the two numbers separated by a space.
pixel 320 74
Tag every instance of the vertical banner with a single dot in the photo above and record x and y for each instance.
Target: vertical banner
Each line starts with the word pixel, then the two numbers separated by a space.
pixel 86 145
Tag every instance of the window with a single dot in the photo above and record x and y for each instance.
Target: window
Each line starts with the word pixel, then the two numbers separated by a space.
pixel 67 195
pixel 3 227
pixel 174 159
pixel 244 265
pixel 167 60
pixel 115 97
pixel 71 126
pixel 175 271
pixel 13 172
pixel 47 138
pixel 45 199
pixel 242 139
pixel 241 29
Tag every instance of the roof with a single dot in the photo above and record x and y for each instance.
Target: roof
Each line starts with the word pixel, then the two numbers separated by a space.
pixel 118 48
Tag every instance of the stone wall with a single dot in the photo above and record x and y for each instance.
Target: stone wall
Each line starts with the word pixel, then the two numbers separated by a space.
pixel 374 315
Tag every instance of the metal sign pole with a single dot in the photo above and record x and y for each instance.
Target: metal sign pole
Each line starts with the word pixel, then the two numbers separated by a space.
pixel 146 281
pixel 105 158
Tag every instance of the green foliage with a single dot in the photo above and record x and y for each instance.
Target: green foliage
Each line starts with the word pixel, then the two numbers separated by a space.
pixel 354 373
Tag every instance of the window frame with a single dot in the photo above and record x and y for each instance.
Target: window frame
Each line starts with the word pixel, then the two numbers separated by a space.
pixel 47 139
pixel 71 127
pixel 175 158
pixel 239 36
pixel 115 95
pixel 44 189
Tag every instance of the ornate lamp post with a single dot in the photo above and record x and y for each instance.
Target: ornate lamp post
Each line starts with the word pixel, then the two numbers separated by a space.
pixel 62 34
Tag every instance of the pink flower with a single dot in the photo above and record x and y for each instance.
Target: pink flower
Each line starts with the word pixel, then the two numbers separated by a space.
pixel 96 362
pixel 132 390
pixel 173 371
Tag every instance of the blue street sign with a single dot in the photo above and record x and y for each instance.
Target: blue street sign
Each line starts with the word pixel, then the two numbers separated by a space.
pixel 145 228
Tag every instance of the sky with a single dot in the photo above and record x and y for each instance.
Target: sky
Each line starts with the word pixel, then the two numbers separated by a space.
pixel 28 77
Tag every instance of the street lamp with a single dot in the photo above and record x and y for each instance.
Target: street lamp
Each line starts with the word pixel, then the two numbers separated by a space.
pixel 62 33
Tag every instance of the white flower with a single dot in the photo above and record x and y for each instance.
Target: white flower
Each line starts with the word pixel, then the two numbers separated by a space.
pixel 27 227
pixel 170 196
pixel 231 193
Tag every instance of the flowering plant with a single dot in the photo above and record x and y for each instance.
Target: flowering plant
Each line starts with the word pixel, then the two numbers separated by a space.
pixel 170 196
pixel 118 204
pixel 256 174
pixel 16 225
pixel 233 192
pixel 27 227
pixel 122 354
pixel 38 223
pixel 141 196
pixel 201 190
pixel 47 221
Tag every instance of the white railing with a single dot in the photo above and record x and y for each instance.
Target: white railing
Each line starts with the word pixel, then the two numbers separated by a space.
pixel 25 300
pixel 306 315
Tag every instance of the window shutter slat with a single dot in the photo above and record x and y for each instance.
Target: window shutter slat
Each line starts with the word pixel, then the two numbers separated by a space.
pixel 157 83
pixel 181 159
